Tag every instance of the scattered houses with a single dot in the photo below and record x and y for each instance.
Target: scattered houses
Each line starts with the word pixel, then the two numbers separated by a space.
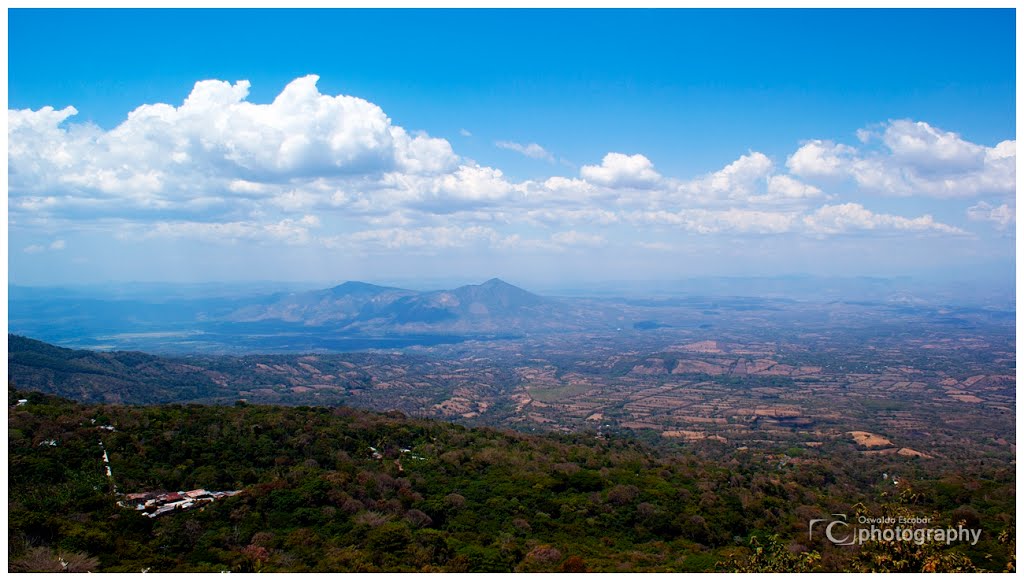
pixel 154 504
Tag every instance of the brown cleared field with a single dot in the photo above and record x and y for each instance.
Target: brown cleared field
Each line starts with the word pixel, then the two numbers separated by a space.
pixel 685 434
pixel 558 393
pixel 869 440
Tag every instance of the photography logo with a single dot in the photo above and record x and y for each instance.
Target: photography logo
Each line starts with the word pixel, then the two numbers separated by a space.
pixel 837 530
pixel 886 528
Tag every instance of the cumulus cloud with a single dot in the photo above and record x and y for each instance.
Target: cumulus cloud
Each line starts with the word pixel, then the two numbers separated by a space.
pixel 785 188
pixel 818 158
pixel 469 185
pixel 751 179
pixel 562 191
pixel 618 170
pixel 740 174
pixel 931 150
pixel 531 150
pixel 311 168
pixel 1002 217
pixel 844 218
pixel 38 147
pixel 215 140
pixel 905 158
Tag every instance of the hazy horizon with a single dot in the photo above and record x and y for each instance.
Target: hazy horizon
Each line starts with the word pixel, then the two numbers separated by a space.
pixel 936 289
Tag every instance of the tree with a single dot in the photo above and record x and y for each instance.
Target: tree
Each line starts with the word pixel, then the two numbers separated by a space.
pixel 45 560
pixel 772 556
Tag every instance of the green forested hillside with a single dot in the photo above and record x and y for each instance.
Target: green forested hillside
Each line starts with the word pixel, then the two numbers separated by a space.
pixel 441 497
pixel 115 377
pixel 131 377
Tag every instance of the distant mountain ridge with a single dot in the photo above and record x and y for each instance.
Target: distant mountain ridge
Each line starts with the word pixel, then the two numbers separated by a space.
pixel 489 307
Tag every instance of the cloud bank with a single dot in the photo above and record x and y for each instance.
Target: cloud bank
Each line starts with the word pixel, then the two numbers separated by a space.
pixel 337 172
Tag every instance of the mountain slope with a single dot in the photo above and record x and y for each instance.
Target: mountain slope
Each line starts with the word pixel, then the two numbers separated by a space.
pixel 494 307
pixel 114 377
pixel 338 305
pixel 384 381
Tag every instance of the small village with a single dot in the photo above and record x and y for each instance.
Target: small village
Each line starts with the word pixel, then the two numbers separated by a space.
pixel 154 504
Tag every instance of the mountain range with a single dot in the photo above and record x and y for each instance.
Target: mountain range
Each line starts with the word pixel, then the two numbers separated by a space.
pixel 349 317
pixel 357 316
pixel 492 307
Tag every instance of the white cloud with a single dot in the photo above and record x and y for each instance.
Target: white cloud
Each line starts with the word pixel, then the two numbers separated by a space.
pixel 34 203
pixel 218 167
pixel 819 158
pixel 529 150
pixel 783 187
pixel 1002 216
pixel 431 239
pixel 826 220
pixel 618 170
pixel 553 216
pixel 394 219
pixel 562 191
pixel 751 179
pixel 844 218
pixel 215 141
pixel 40 248
pixel 465 133
pixel 425 238
pixel 287 231
pixel 35 139
pixel 733 220
pixel 557 242
pixel 247 187
pixel 472 184
pixel 574 238
pixel 295 200
pixel 914 158
pixel 742 173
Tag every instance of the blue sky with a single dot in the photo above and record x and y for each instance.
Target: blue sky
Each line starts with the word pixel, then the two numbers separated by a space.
pixel 534 145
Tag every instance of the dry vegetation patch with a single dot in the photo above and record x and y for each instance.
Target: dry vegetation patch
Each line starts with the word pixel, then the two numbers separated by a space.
pixel 869 440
